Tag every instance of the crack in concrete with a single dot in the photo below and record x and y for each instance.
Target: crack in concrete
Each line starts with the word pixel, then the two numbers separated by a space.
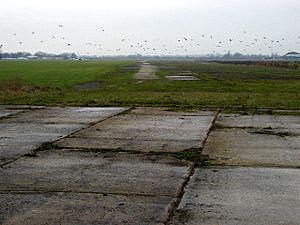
pixel 175 204
pixel 34 151
pixel 79 192
pixel 24 110
pixel 177 200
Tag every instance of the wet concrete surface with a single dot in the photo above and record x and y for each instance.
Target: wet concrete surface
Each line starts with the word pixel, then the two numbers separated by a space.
pixel 17 139
pixel 95 172
pixel 22 132
pixel 241 196
pixel 76 115
pixel 81 208
pixel 88 179
pixel 146 72
pixel 7 111
pixel 71 187
pixel 259 121
pixel 145 130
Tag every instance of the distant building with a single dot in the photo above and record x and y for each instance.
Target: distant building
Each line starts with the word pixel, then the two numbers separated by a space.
pixel 292 56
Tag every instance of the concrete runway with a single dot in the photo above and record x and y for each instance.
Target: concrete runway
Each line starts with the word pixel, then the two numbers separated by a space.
pixel 77 165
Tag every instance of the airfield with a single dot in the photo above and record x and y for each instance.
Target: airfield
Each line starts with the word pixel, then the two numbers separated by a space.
pixel 149 143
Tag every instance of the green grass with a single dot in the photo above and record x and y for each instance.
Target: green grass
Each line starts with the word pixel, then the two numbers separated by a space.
pixel 231 87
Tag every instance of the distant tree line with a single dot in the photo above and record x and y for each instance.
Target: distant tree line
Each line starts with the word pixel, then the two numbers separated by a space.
pixel 208 57
pixel 37 55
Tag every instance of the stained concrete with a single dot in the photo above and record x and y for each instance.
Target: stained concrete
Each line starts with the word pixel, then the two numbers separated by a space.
pixel 245 148
pixel 95 172
pixel 81 208
pixel 145 130
pixel 80 185
pixel 146 72
pixel 255 140
pixel 241 196
pixel 259 121
pixel 7 111
pixel 76 115
pixel 71 187
pixel 17 139
pixel 22 133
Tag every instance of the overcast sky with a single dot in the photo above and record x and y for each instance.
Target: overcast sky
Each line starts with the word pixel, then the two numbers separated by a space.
pixel 150 27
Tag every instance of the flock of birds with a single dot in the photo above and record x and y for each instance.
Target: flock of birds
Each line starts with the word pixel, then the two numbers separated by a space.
pixel 155 46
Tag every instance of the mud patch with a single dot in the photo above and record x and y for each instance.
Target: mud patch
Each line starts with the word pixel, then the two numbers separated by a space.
pixel 87 86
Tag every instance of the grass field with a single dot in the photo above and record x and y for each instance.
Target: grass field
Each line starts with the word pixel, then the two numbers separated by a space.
pixel 231 87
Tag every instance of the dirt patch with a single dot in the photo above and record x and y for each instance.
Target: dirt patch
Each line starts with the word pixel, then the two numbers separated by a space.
pixel 87 86
pixel 12 85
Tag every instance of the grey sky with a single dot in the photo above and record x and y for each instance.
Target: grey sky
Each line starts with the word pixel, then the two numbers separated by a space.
pixel 150 27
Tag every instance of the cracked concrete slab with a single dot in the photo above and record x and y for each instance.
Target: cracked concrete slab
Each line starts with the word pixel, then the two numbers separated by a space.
pixel 255 140
pixel 17 139
pixel 22 133
pixel 245 148
pixel 7 111
pixel 77 115
pixel 95 172
pixel 241 196
pixel 145 130
pixel 81 208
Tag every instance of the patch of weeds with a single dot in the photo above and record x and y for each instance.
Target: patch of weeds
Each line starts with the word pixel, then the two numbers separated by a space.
pixel 270 131
pixel 12 85
pixel 216 126
pixel 192 155
pixel 46 147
